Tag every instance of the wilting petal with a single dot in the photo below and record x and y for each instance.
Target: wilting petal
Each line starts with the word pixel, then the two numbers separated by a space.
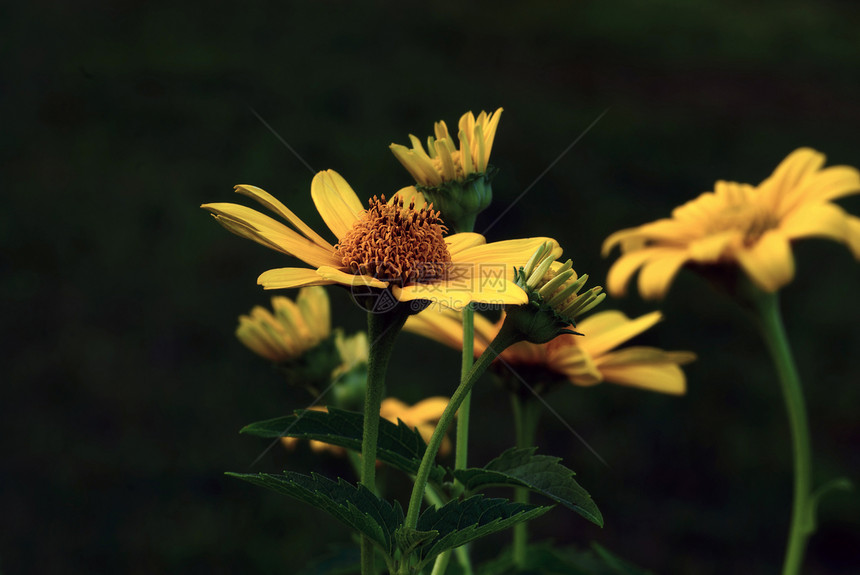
pixel 279 208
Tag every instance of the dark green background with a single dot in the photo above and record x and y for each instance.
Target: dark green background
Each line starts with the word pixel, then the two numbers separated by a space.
pixel 124 387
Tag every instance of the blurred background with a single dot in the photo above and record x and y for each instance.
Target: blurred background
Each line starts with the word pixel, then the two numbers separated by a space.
pixel 124 387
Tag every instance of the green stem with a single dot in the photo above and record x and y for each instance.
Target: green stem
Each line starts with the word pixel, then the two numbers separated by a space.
pixel 506 337
pixel 382 329
pixel 526 415
pixel 441 563
pixel 462 449
pixel 774 334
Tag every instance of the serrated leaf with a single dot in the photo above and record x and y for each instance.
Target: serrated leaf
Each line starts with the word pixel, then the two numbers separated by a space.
pixel 398 445
pixel 459 522
pixel 408 539
pixel 354 505
pixel 520 467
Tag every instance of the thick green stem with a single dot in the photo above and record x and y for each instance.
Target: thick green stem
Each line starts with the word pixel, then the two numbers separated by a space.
pixel 773 330
pixel 462 449
pixel 382 329
pixel 506 337
pixel 526 415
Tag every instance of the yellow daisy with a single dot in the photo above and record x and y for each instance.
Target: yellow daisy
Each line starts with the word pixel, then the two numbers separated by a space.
pixel 391 245
pixel 740 224
pixel 584 360
pixel 421 416
pixel 445 162
pixel 290 329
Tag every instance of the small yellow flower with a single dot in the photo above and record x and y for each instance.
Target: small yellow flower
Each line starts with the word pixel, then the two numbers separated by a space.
pixel 740 224
pixel 584 360
pixel 291 329
pixel 456 180
pixel 421 416
pixel 445 162
pixel 395 246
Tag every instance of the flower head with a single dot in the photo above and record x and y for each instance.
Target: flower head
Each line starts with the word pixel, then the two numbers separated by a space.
pixel 290 329
pixel 456 179
pixel 399 246
pixel 743 225
pixel 583 360
pixel 554 300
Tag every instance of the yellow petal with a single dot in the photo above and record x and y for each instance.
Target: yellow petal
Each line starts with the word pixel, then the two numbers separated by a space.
pixel 337 276
pixel 505 254
pixel 282 278
pixel 314 305
pixel 489 132
pixel 453 295
pixel 769 263
pixel 458 242
pixel 609 329
pixel 406 157
pixel 664 378
pixel 828 184
pixel 336 202
pixel 817 220
pixel 445 328
pixel 657 274
pixel 624 268
pixel 279 208
pixel 409 195
pixel 710 248
pixel 853 235
pixel 251 224
pixel 426 410
pixel 795 167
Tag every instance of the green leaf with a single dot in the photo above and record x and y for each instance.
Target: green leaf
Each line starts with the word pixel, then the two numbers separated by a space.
pixel 408 539
pixel 353 505
pixel 459 522
pixel 399 445
pixel 520 467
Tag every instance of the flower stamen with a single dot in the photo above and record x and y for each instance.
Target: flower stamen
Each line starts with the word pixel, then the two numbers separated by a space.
pixel 397 243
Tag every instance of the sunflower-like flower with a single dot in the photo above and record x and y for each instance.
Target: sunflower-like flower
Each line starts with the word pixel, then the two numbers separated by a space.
pixel 290 329
pixel 554 298
pixel 395 246
pixel 456 179
pixel 584 360
pixel 422 416
pixel 744 225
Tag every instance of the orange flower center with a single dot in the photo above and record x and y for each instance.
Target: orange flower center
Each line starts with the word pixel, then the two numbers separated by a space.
pixel 397 244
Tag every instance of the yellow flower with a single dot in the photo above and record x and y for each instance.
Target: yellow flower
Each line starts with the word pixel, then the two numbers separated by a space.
pixel 743 225
pixel 443 161
pixel 293 328
pixel 584 360
pixel 394 245
pixel 421 416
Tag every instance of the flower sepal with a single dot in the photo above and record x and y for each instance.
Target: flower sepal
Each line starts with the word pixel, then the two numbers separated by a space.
pixel 553 299
pixel 460 201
